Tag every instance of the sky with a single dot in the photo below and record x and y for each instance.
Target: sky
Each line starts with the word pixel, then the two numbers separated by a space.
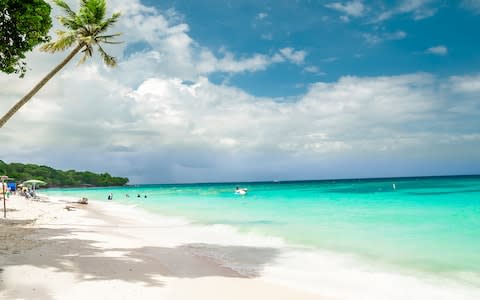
pixel 216 91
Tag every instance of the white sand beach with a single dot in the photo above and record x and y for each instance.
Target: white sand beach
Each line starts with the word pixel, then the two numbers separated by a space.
pixel 111 251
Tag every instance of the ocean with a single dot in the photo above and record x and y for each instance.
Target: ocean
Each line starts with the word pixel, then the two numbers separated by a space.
pixel 427 227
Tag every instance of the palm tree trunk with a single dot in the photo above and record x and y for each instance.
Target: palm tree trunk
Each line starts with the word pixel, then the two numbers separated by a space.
pixel 37 87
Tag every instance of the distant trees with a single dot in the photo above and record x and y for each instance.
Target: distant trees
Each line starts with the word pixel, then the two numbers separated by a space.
pixel 57 178
pixel 23 25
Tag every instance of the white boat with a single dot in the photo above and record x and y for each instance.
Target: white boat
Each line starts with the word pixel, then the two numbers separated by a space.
pixel 240 191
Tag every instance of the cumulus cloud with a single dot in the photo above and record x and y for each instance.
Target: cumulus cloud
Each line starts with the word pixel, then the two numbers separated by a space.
pixel 174 53
pixel 177 127
pixel 437 50
pixel 158 118
pixel 469 83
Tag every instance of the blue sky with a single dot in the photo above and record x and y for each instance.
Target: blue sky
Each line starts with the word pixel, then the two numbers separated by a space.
pixel 262 90
pixel 363 45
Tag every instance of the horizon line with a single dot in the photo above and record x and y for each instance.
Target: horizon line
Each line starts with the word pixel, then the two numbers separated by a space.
pixel 293 180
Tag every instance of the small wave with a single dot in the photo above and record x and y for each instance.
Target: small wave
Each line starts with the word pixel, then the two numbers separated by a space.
pixel 247 222
pixel 247 261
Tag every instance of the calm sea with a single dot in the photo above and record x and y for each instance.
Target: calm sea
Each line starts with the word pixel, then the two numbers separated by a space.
pixel 420 224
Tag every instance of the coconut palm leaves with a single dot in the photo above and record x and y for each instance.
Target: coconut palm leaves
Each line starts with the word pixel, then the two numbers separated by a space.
pixel 85 30
pixel 87 27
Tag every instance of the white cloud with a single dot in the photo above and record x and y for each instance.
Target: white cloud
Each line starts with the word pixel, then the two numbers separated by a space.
pixel 419 9
pixel 293 55
pixel 261 16
pixel 467 84
pixel 174 53
pixel 208 63
pixel 330 59
pixel 315 70
pixel 473 5
pixel 312 69
pixel 398 35
pixel 372 38
pixel 169 124
pixel 385 15
pixel 145 121
pixel 267 36
pixel 437 50
pixel 352 8
pixel 299 85
pixel 376 38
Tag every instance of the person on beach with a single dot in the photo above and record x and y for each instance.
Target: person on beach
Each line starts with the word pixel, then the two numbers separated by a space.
pixel 27 194
pixel 110 196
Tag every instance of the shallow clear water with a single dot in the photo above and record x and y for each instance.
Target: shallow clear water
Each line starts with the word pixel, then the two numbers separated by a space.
pixel 425 224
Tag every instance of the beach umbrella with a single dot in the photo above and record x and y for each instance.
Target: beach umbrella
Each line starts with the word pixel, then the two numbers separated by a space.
pixel 2 179
pixel 33 183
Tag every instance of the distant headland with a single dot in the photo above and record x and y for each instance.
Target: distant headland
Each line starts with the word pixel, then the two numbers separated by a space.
pixel 58 178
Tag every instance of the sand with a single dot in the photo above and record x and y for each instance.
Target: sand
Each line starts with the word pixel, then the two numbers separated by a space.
pixel 110 251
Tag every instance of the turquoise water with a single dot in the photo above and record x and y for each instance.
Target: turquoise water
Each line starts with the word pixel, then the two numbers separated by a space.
pixel 424 224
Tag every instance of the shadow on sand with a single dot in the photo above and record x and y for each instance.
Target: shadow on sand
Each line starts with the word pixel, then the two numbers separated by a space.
pixel 91 262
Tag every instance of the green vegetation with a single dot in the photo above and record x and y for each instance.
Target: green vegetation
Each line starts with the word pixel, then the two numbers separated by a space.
pixel 83 30
pixel 23 25
pixel 57 178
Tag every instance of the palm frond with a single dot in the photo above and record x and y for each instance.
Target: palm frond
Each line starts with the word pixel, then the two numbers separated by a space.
pixel 109 22
pixel 87 52
pixel 70 23
pixel 92 11
pixel 107 39
pixel 65 40
pixel 109 36
pixel 84 13
pixel 68 11
pixel 112 42
pixel 107 59
pixel 99 10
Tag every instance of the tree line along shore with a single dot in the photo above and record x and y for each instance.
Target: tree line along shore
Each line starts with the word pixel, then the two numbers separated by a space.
pixel 57 178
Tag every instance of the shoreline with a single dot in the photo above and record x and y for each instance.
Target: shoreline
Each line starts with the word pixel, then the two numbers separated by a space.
pixel 54 253
pixel 109 244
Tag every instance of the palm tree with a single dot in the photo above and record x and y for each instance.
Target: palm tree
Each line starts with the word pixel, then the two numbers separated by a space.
pixel 84 30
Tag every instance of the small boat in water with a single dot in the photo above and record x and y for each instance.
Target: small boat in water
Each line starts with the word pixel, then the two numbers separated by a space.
pixel 241 191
